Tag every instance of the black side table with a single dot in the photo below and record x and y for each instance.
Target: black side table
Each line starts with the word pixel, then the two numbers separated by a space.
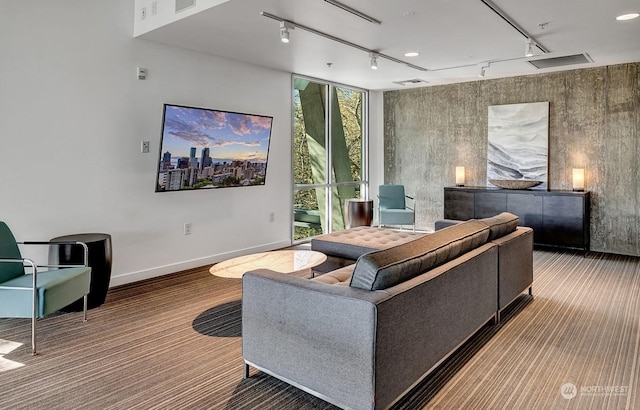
pixel 359 212
pixel 99 259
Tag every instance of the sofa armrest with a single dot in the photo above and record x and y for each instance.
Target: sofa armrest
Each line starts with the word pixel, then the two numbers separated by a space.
pixel 515 264
pixel 315 336
pixel 443 223
pixel 428 316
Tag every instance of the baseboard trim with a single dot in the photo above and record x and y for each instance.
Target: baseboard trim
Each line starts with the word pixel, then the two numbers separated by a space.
pixel 131 277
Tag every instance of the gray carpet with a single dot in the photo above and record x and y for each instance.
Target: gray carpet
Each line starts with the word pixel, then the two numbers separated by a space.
pixel 174 343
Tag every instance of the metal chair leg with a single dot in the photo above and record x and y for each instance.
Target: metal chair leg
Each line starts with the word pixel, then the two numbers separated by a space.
pixel 33 335
pixel 34 307
pixel 85 300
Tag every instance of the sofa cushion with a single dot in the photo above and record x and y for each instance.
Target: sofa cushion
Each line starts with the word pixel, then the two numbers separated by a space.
pixel 340 277
pixel 501 224
pixel 354 242
pixel 389 267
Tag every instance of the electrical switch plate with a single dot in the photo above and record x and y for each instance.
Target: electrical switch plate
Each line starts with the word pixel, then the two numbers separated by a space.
pixel 144 147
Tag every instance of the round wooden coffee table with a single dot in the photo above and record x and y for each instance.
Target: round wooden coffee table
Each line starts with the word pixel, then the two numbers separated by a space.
pixel 285 261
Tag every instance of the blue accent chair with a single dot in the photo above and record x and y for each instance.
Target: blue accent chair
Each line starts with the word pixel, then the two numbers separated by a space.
pixel 393 208
pixel 36 294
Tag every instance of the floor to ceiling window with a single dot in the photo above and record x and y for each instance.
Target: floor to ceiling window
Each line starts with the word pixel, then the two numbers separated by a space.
pixel 329 154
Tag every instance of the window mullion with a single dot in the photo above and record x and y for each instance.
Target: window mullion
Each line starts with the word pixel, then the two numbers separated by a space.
pixel 329 159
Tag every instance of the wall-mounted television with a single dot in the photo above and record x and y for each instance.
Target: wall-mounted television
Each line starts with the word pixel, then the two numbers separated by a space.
pixel 202 148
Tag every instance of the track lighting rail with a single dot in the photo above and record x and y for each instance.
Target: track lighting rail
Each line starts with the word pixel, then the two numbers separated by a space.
pixel 353 11
pixel 339 40
pixel 504 16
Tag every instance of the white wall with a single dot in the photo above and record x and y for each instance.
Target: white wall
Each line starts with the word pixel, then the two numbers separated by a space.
pixel 73 114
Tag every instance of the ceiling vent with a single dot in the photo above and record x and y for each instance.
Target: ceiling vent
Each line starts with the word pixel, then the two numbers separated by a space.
pixel 560 61
pixel 184 4
pixel 412 82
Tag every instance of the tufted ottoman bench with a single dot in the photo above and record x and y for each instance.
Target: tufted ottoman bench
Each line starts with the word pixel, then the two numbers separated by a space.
pixel 351 243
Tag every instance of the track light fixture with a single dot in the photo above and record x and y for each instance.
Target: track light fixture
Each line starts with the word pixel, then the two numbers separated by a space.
pixel 286 25
pixel 284 35
pixel 528 50
pixel 483 66
pixel 284 31
pixel 374 61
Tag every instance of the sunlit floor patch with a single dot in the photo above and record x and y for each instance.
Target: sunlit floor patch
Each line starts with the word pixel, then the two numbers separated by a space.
pixel 6 347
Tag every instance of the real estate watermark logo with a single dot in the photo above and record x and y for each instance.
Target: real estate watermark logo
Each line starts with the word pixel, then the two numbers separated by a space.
pixel 570 391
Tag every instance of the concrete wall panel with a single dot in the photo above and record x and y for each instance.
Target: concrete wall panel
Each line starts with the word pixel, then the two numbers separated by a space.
pixel 594 122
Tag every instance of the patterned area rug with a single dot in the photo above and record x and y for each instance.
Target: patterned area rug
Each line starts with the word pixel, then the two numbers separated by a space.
pixel 174 342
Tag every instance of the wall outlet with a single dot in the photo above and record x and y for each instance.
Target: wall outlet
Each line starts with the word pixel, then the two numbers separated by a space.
pixel 272 216
pixel 144 147
pixel 142 73
pixel 187 228
pixel 154 8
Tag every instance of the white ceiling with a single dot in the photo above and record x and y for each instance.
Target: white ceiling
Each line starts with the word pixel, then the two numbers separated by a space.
pixel 454 37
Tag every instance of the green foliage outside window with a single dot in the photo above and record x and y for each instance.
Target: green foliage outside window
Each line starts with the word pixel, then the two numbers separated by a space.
pixel 309 146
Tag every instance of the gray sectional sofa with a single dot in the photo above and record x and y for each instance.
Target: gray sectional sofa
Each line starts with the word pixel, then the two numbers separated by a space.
pixel 363 335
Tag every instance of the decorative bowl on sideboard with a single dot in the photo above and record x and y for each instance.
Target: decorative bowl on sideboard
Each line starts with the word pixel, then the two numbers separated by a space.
pixel 515 183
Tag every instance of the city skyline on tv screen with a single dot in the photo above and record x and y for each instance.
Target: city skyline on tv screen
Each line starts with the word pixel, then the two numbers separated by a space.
pixel 206 148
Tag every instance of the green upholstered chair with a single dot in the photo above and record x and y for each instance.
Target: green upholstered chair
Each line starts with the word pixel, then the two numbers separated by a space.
pixel 36 294
pixel 393 208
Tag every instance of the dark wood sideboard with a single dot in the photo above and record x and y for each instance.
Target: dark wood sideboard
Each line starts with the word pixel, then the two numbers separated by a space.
pixel 558 218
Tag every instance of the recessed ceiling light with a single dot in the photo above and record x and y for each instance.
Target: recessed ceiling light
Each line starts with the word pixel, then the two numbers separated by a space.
pixel 629 16
pixel 411 54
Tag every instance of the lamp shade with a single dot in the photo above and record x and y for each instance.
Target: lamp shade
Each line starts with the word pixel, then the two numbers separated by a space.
pixel 459 176
pixel 578 179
